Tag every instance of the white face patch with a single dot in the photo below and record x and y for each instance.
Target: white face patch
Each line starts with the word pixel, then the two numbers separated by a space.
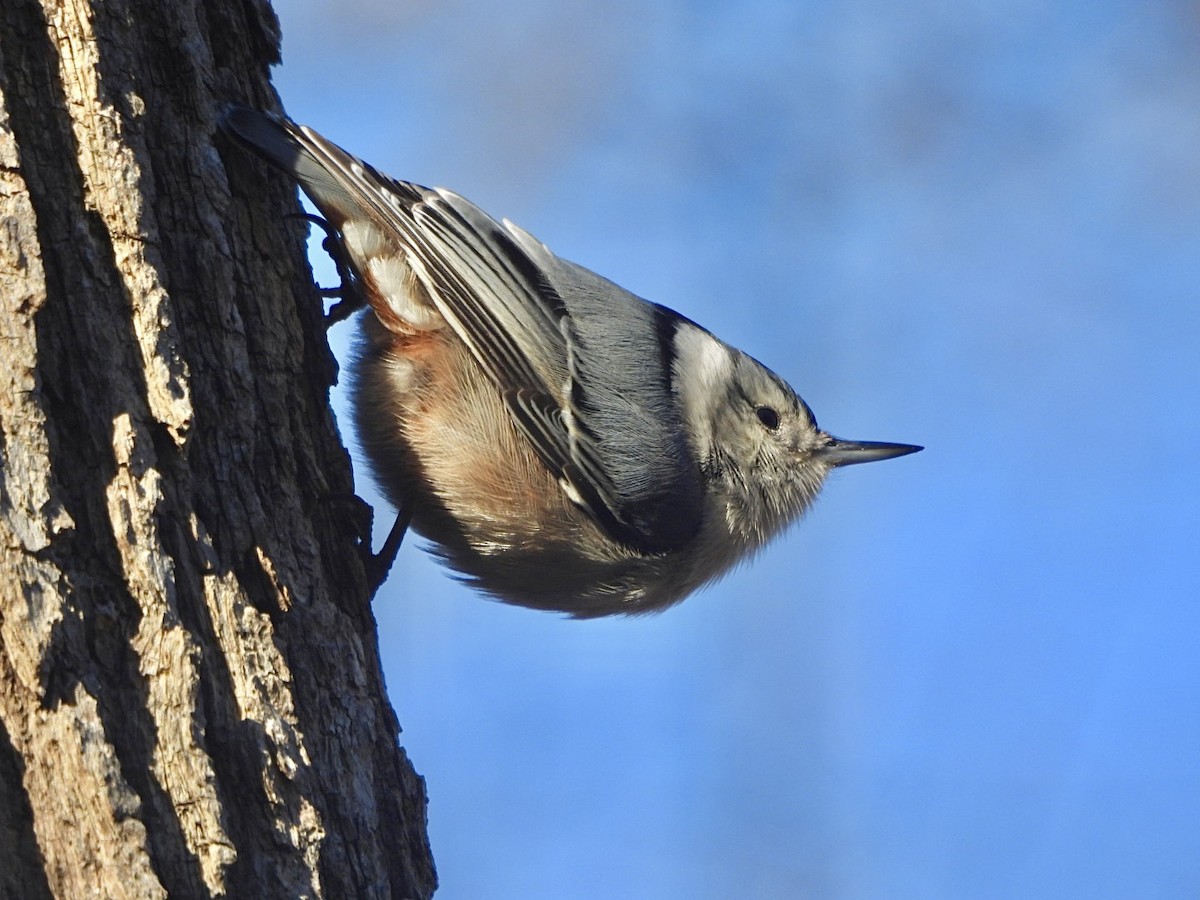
pixel 700 359
pixel 702 370
pixel 393 278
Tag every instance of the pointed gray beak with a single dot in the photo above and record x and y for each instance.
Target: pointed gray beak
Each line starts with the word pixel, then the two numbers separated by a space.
pixel 847 453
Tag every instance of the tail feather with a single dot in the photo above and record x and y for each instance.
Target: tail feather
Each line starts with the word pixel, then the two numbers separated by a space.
pixel 286 146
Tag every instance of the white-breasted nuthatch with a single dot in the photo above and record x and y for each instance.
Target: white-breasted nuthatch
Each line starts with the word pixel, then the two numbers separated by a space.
pixel 562 443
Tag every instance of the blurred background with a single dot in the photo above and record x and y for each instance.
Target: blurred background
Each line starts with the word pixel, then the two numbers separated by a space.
pixel 974 672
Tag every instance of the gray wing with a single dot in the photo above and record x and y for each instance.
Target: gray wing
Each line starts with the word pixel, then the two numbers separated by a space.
pixel 580 363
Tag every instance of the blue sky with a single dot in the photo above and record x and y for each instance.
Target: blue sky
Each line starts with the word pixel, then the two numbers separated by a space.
pixel 974 672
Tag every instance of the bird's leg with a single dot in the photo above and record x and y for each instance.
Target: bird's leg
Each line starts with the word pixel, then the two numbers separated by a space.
pixel 379 564
pixel 348 292
pixel 362 518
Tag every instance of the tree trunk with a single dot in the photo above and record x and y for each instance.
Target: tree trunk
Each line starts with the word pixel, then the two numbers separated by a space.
pixel 191 701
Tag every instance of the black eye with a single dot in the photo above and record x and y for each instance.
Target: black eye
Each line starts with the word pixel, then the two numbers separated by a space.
pixel 768 416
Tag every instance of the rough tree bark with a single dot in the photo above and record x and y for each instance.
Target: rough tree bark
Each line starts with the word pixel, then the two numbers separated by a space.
pixel 191 702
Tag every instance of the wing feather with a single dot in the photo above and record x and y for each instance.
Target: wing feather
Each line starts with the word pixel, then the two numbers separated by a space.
pixel 486 281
